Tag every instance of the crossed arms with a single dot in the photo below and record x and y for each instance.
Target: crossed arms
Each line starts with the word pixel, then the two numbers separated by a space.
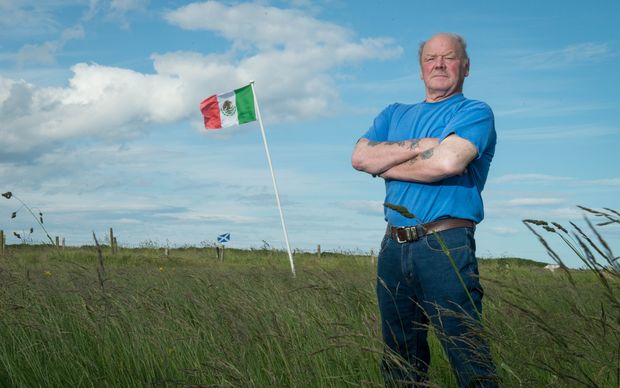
pixel 416 160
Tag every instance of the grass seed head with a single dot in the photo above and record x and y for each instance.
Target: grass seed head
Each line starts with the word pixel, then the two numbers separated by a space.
pixel 560 227
pixel 403 211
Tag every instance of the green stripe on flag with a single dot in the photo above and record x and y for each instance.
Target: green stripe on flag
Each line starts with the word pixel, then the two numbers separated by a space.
pixel 245 104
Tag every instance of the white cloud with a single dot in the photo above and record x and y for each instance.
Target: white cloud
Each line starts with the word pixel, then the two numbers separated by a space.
pixel 128 221
pixel 26 18
pixel 263 26
pixel 567 213
pixel 292 63
pixel 504 231
pixel 100 101
pixel 275 29
pixel 567 56
pixel 120 8
pixel 558 132
pixel 534 201
pixel 35 17
pixel 313 43
pixel 606 182
pixel 174 190
pixel 549 209
pixel 522 206
pixel 371 208
pixel 223 218
pixel 37 53
pixel 128 5
pixel 544 179
pixel 45 53
pixel 534 107
pixel 530 178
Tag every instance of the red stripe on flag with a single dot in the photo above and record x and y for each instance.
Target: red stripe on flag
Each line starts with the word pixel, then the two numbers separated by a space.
pixel 211 111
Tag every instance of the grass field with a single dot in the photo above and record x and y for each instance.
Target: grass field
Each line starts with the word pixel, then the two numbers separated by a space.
pixel 138 318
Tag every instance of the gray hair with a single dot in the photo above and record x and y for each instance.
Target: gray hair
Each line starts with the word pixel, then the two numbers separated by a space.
pixel 456 37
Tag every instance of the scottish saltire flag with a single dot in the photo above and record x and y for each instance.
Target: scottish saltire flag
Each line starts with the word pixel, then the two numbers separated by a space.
pixel 223 238
pixel 228 109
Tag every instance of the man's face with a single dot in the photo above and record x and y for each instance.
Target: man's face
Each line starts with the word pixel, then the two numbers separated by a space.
pixel 443 67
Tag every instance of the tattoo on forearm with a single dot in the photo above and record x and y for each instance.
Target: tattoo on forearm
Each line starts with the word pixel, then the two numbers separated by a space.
pixel 423 156
pixel 427 154
pixel 398 143
pixel 414 144
pixel 372 143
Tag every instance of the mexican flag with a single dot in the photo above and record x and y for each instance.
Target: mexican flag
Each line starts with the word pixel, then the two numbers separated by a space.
pixel 228 109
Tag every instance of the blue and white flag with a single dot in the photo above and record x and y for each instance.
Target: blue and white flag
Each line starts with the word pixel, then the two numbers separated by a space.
pixel 223 238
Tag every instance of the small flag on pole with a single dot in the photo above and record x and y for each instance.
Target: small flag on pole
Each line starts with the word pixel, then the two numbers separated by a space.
pixel 228 109
pixel 223 238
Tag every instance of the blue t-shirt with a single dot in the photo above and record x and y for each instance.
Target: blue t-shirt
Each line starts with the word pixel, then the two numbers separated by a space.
pixel 453 197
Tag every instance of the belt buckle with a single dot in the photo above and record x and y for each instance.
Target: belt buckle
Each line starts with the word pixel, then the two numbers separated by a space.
pixel 411 234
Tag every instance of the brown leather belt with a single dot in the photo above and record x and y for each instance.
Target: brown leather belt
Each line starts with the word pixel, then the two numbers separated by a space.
pixel 414 233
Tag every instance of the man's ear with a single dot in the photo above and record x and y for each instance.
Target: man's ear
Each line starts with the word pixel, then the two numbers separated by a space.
pixel 466 72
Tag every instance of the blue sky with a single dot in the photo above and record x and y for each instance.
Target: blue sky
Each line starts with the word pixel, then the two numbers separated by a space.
pixel 100 127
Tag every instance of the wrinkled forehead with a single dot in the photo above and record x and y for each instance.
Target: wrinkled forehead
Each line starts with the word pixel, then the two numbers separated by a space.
pixel 442 45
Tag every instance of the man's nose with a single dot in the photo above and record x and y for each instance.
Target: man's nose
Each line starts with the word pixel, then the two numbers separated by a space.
pixel 440 62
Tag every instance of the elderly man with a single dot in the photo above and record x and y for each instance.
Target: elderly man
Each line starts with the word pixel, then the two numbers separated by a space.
pixel 434 157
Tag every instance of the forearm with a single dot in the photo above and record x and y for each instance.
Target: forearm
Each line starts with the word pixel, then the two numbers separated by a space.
pixel 418 169
pixel 377 157
pixel 429 166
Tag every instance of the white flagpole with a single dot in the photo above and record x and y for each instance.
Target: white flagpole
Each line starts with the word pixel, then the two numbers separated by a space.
pixel 273 179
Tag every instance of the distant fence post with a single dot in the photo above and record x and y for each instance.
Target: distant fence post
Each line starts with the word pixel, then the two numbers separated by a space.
pixel 372 256
pixel 112 241
pixel 2 242
pixel 318 250
pixel 62 243
pixel 219 250
pixel 57 241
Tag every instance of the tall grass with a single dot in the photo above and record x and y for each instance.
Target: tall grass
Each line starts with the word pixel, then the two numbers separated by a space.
pixel 582 325
pixel 79 317
pixel 188 321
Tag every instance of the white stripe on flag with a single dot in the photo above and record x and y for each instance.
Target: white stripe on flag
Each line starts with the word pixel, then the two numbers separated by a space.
pixel 228 119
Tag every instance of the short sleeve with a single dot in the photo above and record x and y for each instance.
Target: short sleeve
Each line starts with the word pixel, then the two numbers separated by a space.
pixel 378 131
pixel 474 122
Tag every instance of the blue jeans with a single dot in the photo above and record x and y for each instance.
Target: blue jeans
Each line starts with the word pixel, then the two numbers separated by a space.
pixel 417 286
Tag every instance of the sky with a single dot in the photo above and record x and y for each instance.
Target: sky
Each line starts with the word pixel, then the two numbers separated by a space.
pixel 100 125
